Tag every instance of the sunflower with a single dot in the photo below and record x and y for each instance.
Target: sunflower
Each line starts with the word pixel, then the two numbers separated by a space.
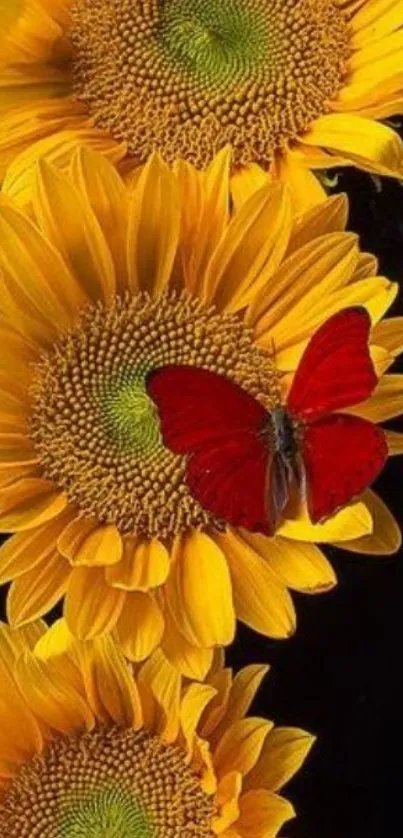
pixel 101 285
pixel 89 748
pixel 293 85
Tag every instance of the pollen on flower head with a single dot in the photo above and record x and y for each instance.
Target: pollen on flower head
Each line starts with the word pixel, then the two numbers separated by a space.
pixel 108 783
pixel 188 76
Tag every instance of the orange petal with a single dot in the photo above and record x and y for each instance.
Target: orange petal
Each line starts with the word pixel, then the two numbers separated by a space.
pixel 40 296
pixel 190 661
pixel 26 550
pixel 283 753
pixel 53 698
pixel 145 565
pixel 261 601
pixel 86 542
pixel 69 223
pixel 385 539
pixel 38 590
pixel 140 626
pixel 110 687
pixel 241 745
pixel 262 814
pixel 98 181
pixel 199 564
pixel 154 224
pixel 28 503
pixel 91 607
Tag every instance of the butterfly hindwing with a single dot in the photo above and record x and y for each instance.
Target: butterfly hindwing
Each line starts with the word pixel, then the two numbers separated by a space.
pixel 336 369
pixel 229 481
pixel 342 456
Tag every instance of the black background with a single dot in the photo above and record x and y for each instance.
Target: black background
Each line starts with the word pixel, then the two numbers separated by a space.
pixel 338 677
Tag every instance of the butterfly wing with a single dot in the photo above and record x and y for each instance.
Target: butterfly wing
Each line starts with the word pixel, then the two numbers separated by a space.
pixel 336 369
pixel 216 424
pixel 229 480
pixel 342 456
pixel 198 407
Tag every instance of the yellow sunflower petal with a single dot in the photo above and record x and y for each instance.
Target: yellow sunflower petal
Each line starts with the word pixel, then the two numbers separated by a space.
pixel 380 359
pixel 19 90
pixel 97 179
pixel 374 82
pixel 375 294
pixel 190 661
pixel 306 190
pixel 367 266
pixel 24 551
pixel 86 542
pixel 38 590
pixel 210 219
pixel 227 796
pixel 16 449
pixel 29 502
pixel 242 691
pixel 39 294
pixel 154 226
pixel 194 702
pixel 247 180
pixel 283 753
pixel 110 687
pixel 352 522
pixel 389 334
pixel 386 537
pixel 54 700
pixel 14 641
pixel 145 565
pixel 298 565
pixel 20 735
pixel 385 403
pixel 57 640
pixel 369 144
pixel 69 223
pixel 330 216
pixel 262 814
pixel 261 601
pixel 57 149
pixel 164 683
pixel 241 745
pixel 140 626
pixel 395 442
pixel 91 606
pixel 251 249
pixel 31 122
pixel 302 282
pixel 32 33
pixel 199 565
pixel 374 20
pixel 212 720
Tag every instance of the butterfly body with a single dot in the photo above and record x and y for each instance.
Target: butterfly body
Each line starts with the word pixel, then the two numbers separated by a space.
pixel 245 463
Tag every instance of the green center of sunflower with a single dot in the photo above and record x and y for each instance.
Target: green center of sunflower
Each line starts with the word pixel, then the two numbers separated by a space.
pixel 96 430
pixel 188 76
pixel 109 783
pixel 129 416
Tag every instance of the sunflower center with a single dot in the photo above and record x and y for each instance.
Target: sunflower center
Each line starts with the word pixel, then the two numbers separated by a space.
pixel 109 783
pixel 94 427
pixel 188 76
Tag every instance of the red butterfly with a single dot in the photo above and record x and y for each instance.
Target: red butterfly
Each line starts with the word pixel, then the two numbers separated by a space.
pixel 244 460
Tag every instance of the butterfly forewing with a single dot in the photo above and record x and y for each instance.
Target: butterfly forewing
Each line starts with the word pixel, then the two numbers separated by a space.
pixel 336 369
